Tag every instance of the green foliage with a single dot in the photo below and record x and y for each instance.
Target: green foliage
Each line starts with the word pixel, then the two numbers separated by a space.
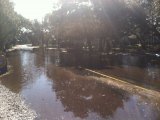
pixel 10 23
pixel 104 24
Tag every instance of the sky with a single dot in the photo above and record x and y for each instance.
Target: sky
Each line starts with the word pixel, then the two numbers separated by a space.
pixel 34 9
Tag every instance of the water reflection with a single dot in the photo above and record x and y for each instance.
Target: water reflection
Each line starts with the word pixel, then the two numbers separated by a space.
pixel 86 98
pixel 140 69
pixel 83 96
pixel 59 94
pixel 25 67
pixel 17 78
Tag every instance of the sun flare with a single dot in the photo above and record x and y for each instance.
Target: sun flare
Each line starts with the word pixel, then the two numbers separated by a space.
pixel 34 9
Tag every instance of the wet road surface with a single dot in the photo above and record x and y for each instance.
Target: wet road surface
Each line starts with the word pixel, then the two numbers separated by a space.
pixel 147 77
pixel 56 93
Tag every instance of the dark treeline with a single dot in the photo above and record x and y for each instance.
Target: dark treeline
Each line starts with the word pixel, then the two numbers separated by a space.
pixel 92 29
pixel 87 26
pixel 90 25
pixel 11 24
pixel 105 25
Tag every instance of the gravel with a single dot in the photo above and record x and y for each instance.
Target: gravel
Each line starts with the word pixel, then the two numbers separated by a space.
pixel 13 107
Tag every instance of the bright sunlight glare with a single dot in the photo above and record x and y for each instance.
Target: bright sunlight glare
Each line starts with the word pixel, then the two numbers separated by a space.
pixel 34 9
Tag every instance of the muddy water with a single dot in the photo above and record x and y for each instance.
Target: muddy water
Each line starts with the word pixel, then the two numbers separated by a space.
pixel 58 94
pixel 148 77
pixel 141 69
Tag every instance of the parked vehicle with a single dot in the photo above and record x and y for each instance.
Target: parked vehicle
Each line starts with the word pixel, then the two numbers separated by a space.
pixel 3 64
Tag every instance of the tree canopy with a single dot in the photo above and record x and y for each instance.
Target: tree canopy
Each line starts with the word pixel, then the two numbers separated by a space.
pixel 11 23
pixel 100 25
pixel 105 24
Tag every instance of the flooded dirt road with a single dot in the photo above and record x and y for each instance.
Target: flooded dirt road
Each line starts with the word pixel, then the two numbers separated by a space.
pixel 56 93
pixel 148 77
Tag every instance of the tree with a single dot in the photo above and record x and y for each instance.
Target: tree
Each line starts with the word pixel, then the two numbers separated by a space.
pixel 10 23
pixel 103 25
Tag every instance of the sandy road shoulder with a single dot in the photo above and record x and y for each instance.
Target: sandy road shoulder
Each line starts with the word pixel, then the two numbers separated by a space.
pixel 13 107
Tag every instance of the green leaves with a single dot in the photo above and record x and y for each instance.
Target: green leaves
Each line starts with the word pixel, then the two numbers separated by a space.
pixel 10 23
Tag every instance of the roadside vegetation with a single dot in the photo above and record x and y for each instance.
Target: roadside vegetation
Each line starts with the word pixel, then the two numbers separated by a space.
pixel 87 26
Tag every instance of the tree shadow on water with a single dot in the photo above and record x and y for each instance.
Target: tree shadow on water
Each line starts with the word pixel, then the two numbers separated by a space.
pixel 82 95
